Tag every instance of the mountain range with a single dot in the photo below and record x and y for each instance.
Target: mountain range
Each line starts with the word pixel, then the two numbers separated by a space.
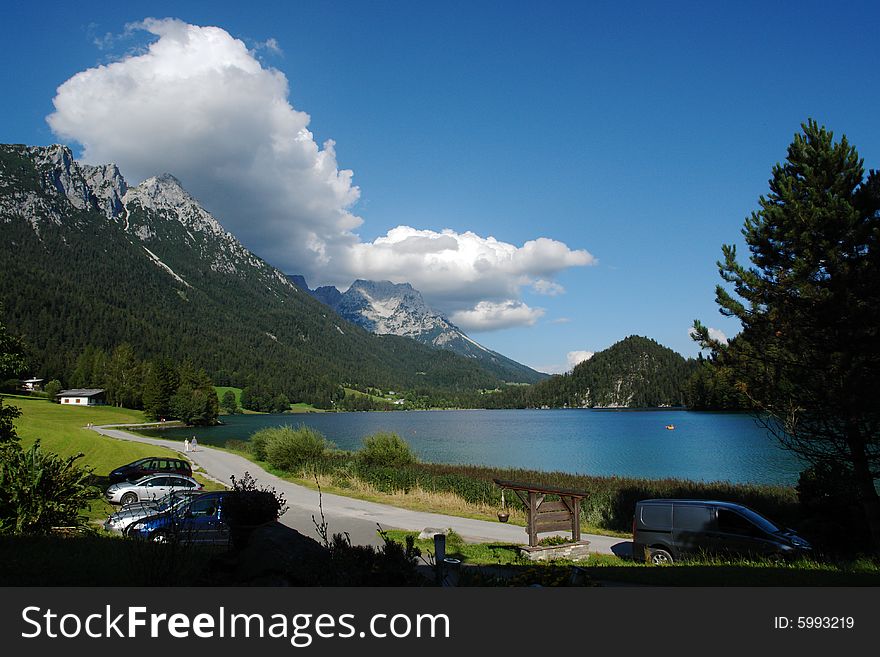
pixel 387 308
pixel 89 261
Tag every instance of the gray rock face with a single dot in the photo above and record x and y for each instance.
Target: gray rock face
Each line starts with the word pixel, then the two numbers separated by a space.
pixel 61 173
pixel 108 187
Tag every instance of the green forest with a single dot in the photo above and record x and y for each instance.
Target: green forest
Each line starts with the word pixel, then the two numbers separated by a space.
pixel 85 292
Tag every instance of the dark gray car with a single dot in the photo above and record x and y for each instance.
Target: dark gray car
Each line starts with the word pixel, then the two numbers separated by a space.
pixel 118 522
pixel 668 530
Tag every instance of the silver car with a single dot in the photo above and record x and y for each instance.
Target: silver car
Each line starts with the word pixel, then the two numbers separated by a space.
pixel 119 521
pixel 149 488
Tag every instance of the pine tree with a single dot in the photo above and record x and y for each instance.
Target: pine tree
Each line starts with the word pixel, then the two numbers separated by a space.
pixel 124 378
pixel 229 403
pixel 195 401
pixel 160 384
pixel 808 356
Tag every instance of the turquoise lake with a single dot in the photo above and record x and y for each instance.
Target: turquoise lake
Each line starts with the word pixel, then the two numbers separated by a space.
pixel 703 446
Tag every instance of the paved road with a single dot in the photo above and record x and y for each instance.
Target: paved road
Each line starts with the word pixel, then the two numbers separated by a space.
pixel 345 514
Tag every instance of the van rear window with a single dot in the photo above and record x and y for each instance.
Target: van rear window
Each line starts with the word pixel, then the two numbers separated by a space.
pixel 657 516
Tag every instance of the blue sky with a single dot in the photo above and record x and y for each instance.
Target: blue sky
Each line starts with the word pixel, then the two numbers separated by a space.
pixel 642 134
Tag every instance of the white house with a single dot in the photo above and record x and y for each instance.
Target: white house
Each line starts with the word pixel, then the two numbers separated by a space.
pixel 31 384
pixel 82 397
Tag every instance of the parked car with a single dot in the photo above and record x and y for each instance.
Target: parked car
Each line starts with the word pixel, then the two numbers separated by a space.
pixel 150 465
pixel 199 521
pixel 151 487
pixel 665 531
pixel 118 522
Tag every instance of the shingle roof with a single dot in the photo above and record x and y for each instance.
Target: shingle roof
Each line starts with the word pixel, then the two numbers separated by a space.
pixel 81 392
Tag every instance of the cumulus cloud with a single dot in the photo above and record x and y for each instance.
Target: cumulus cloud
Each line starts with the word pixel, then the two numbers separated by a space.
pixel 575 357
pixel 490 316
pixel 456 269
pixel 198 103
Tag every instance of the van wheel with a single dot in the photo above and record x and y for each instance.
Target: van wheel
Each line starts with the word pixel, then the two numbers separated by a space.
pixel 660 557
pixel 128 498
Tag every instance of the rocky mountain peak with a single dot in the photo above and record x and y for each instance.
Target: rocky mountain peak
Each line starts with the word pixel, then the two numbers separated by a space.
pixel 62 174
pixel 384 307
pixel 165 194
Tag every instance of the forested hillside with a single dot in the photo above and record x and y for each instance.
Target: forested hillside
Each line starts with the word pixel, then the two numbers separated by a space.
pixel 636 372
pixel 87 261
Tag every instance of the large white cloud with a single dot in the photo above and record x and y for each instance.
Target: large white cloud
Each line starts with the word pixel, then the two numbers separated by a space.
pixel 454 269
pixel 197 103
pixel 491 316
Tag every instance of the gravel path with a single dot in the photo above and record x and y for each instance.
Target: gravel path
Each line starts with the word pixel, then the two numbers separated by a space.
pixel 358 518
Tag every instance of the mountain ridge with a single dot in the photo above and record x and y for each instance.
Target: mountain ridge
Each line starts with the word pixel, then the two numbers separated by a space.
pixel 387 308
pixel 98 263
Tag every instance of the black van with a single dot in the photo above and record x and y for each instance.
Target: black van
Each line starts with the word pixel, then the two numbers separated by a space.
pixel 667 530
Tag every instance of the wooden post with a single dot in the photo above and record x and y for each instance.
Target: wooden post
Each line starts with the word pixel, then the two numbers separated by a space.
pixel 575 518
pixel 533 518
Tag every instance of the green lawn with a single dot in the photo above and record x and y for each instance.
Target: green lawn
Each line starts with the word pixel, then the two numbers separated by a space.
pixel 61 429
pixel 222 390
pixel 300 407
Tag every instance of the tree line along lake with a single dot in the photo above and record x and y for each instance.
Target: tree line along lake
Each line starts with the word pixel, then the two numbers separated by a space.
pixel 625 443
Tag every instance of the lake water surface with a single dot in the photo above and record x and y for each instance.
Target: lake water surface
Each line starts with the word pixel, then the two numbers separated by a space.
pixel 703 446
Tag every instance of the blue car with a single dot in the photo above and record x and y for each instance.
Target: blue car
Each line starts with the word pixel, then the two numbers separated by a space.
pixel 201 521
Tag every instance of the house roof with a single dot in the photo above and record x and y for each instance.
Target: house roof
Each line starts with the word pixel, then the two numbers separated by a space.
pixel 81 392
pixel 32 380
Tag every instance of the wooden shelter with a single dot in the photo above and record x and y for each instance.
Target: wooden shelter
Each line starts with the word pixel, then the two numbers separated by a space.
pixel 543 516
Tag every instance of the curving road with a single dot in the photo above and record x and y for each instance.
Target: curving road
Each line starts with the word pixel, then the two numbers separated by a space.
pixel 359 518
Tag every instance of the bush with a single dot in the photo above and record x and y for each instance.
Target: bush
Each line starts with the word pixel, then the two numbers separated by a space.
pixel 53 389
pixel 386 449
pixel 237 445
pixel 392 564
pixel 260 441
pixel 290 449
pixel 248 506
pixel 229 403
pixel 41 490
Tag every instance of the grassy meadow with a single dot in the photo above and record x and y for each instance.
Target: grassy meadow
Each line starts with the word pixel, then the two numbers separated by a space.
pixel 300 407
pixel 63 430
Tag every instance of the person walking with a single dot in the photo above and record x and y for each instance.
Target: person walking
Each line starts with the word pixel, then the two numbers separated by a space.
pixel 193 443
pixel 186 444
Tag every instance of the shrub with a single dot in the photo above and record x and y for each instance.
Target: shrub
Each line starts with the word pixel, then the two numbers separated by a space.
pixel 247 506
pixel 290 449
pixel 237 445
pixel 53 389
pixel 392 564
pixel 41 490
pixel 229 403
pixel 386 449
pixel 260 441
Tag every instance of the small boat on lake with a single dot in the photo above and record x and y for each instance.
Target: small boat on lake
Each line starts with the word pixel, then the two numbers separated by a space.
pixel 670 427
